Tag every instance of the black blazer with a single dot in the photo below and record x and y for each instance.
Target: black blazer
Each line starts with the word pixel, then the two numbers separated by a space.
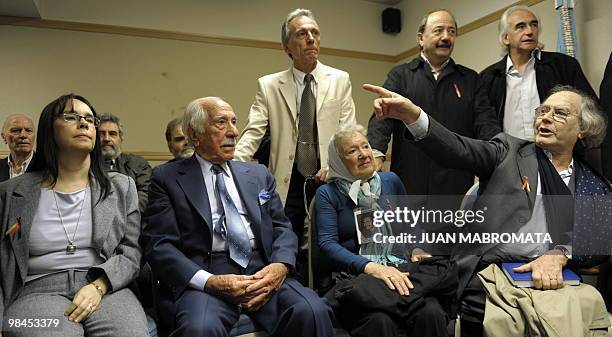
pixel 5 173
pixel 551 69
pixel 502 165
pixel 451 101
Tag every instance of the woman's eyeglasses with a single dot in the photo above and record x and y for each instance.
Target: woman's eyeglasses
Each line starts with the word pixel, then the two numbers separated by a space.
pixel 73 118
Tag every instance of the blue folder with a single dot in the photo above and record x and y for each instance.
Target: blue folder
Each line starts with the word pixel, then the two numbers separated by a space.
pixel 523 280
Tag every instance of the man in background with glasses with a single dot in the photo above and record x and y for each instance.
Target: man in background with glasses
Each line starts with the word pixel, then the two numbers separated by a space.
pixel 19 134
pixel 111 135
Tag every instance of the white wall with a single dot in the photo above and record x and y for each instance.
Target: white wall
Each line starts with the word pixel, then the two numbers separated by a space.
pixel 148 81
pixel 465 11
pixel 346 24
pixel 144 81
pixel 479 49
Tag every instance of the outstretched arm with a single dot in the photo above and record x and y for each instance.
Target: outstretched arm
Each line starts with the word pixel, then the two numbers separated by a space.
pixel 445 147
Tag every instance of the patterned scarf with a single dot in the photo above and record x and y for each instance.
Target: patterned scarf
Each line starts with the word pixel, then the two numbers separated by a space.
pixel 365 194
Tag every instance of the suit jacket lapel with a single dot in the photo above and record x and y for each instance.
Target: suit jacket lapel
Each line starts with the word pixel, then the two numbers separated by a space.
pixel 322 87
pixel 528 170
pixel 100 213
pixel 288 91
pixel 23 205
pixel 192 183
pixel 246 185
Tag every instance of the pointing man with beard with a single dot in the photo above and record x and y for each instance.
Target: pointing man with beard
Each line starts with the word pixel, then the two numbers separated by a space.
pixel 111 135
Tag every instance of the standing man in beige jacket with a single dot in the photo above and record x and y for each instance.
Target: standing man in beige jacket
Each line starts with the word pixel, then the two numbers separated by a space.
pixel 302 106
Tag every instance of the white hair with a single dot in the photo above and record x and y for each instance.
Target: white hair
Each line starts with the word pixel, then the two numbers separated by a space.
pixel 503 26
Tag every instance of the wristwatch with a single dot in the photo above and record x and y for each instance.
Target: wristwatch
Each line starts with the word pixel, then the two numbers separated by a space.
pixel 98 288
pixel 565 251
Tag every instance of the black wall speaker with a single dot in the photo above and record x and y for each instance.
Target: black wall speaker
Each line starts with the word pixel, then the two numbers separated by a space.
pixel 392 20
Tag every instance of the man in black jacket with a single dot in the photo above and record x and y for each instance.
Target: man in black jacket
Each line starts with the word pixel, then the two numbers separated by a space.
pixel 444 89
pixel 517 84
pixel 111 134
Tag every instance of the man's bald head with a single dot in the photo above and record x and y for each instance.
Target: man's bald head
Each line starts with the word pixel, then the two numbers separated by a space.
pixel 18 134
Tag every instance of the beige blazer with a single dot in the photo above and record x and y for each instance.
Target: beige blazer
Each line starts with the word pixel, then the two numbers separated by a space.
pixel 275 105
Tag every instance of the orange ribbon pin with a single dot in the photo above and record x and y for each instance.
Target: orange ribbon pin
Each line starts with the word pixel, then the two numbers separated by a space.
pixel 15 228
pixel 457 90
pixel 526 184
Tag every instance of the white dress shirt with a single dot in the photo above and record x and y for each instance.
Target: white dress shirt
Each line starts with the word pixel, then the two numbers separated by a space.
pixel 298 77
pixel 24 166
pixel 521 98
pixel 434 72
pixel 198 281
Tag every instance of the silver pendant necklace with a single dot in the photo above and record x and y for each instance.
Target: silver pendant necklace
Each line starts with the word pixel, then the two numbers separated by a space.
pixel 71 247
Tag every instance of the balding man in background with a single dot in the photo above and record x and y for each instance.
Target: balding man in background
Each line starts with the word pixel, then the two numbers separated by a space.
pixel 178 144
pixel 18 134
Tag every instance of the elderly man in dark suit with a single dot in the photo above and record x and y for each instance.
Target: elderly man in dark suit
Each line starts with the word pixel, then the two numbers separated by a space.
pixel 219 240
pixel 526 187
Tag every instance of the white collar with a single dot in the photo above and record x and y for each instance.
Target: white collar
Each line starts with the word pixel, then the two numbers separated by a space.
pixel 206 166
pixel 536 53
pixel 25 162
pixel 299 75
pixel 444 64
pixel 570 168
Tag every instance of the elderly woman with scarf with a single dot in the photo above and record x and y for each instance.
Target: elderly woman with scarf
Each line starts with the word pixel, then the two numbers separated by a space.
pixel 379 292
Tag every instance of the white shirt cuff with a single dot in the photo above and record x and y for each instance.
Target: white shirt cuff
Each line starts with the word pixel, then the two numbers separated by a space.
pixel 419 128
pixel 198 281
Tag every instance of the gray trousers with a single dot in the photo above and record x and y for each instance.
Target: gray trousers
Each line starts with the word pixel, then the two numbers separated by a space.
pixel 119 313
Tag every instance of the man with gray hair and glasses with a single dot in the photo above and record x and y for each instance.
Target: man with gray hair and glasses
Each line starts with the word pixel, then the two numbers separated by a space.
pixel 302 107
pixel 517 84
pixel 526 187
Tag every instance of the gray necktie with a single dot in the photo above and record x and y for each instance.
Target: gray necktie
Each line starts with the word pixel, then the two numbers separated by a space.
pixel 234 230
pixel 306 152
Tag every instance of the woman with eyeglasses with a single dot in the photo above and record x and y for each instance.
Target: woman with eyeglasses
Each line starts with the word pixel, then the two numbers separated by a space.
pixel 69 245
